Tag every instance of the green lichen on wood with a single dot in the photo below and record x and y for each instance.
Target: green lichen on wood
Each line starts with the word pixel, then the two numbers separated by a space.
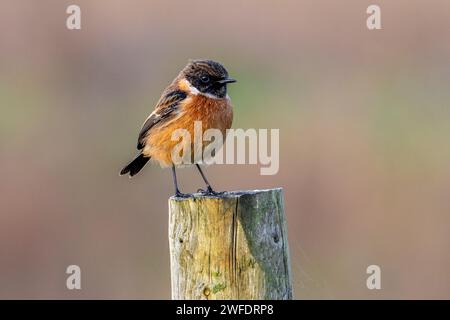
pixel 218 287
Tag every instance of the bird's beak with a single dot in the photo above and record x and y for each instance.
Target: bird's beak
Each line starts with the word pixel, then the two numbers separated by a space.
pixel 226 80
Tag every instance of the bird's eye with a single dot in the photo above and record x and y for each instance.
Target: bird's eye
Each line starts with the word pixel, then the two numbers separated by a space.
pixel 205 79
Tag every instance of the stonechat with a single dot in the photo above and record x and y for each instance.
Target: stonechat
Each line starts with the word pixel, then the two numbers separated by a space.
pixel 198 93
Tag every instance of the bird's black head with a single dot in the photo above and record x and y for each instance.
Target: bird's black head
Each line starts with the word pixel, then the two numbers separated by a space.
pixel 208 77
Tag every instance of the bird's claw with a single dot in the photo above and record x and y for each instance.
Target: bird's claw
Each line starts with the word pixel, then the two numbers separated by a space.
pixel 179 194
pixel 209 192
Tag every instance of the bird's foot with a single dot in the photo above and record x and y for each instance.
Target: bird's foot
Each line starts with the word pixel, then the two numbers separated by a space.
pixel 209 192
pixel 179 194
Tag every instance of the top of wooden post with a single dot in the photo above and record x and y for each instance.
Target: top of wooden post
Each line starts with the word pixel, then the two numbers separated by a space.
pixel 227 194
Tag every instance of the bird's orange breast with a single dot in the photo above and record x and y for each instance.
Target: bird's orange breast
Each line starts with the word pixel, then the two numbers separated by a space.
pixel 213 114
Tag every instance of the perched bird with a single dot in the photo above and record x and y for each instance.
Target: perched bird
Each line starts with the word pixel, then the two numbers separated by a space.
pixel 198 93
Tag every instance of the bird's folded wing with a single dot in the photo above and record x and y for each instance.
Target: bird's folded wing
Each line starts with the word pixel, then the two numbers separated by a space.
pixel 166 109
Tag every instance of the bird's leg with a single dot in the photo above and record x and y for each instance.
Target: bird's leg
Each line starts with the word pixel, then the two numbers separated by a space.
pixel 209 190
pixel 177 191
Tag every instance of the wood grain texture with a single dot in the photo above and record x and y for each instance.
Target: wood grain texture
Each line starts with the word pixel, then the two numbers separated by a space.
pixel 230 247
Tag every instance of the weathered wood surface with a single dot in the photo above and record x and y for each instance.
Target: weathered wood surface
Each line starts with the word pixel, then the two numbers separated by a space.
pixel 230 247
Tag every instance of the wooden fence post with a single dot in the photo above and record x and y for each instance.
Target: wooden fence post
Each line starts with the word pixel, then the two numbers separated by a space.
pixel 234 246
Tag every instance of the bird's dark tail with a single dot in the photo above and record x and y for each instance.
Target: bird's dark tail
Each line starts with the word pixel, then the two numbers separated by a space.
pixel 135 166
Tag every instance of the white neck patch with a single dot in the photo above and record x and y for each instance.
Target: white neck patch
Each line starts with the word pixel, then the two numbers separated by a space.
pixel 193 90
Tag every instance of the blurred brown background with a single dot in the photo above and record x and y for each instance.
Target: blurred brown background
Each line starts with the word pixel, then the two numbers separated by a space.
pixel 364 128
